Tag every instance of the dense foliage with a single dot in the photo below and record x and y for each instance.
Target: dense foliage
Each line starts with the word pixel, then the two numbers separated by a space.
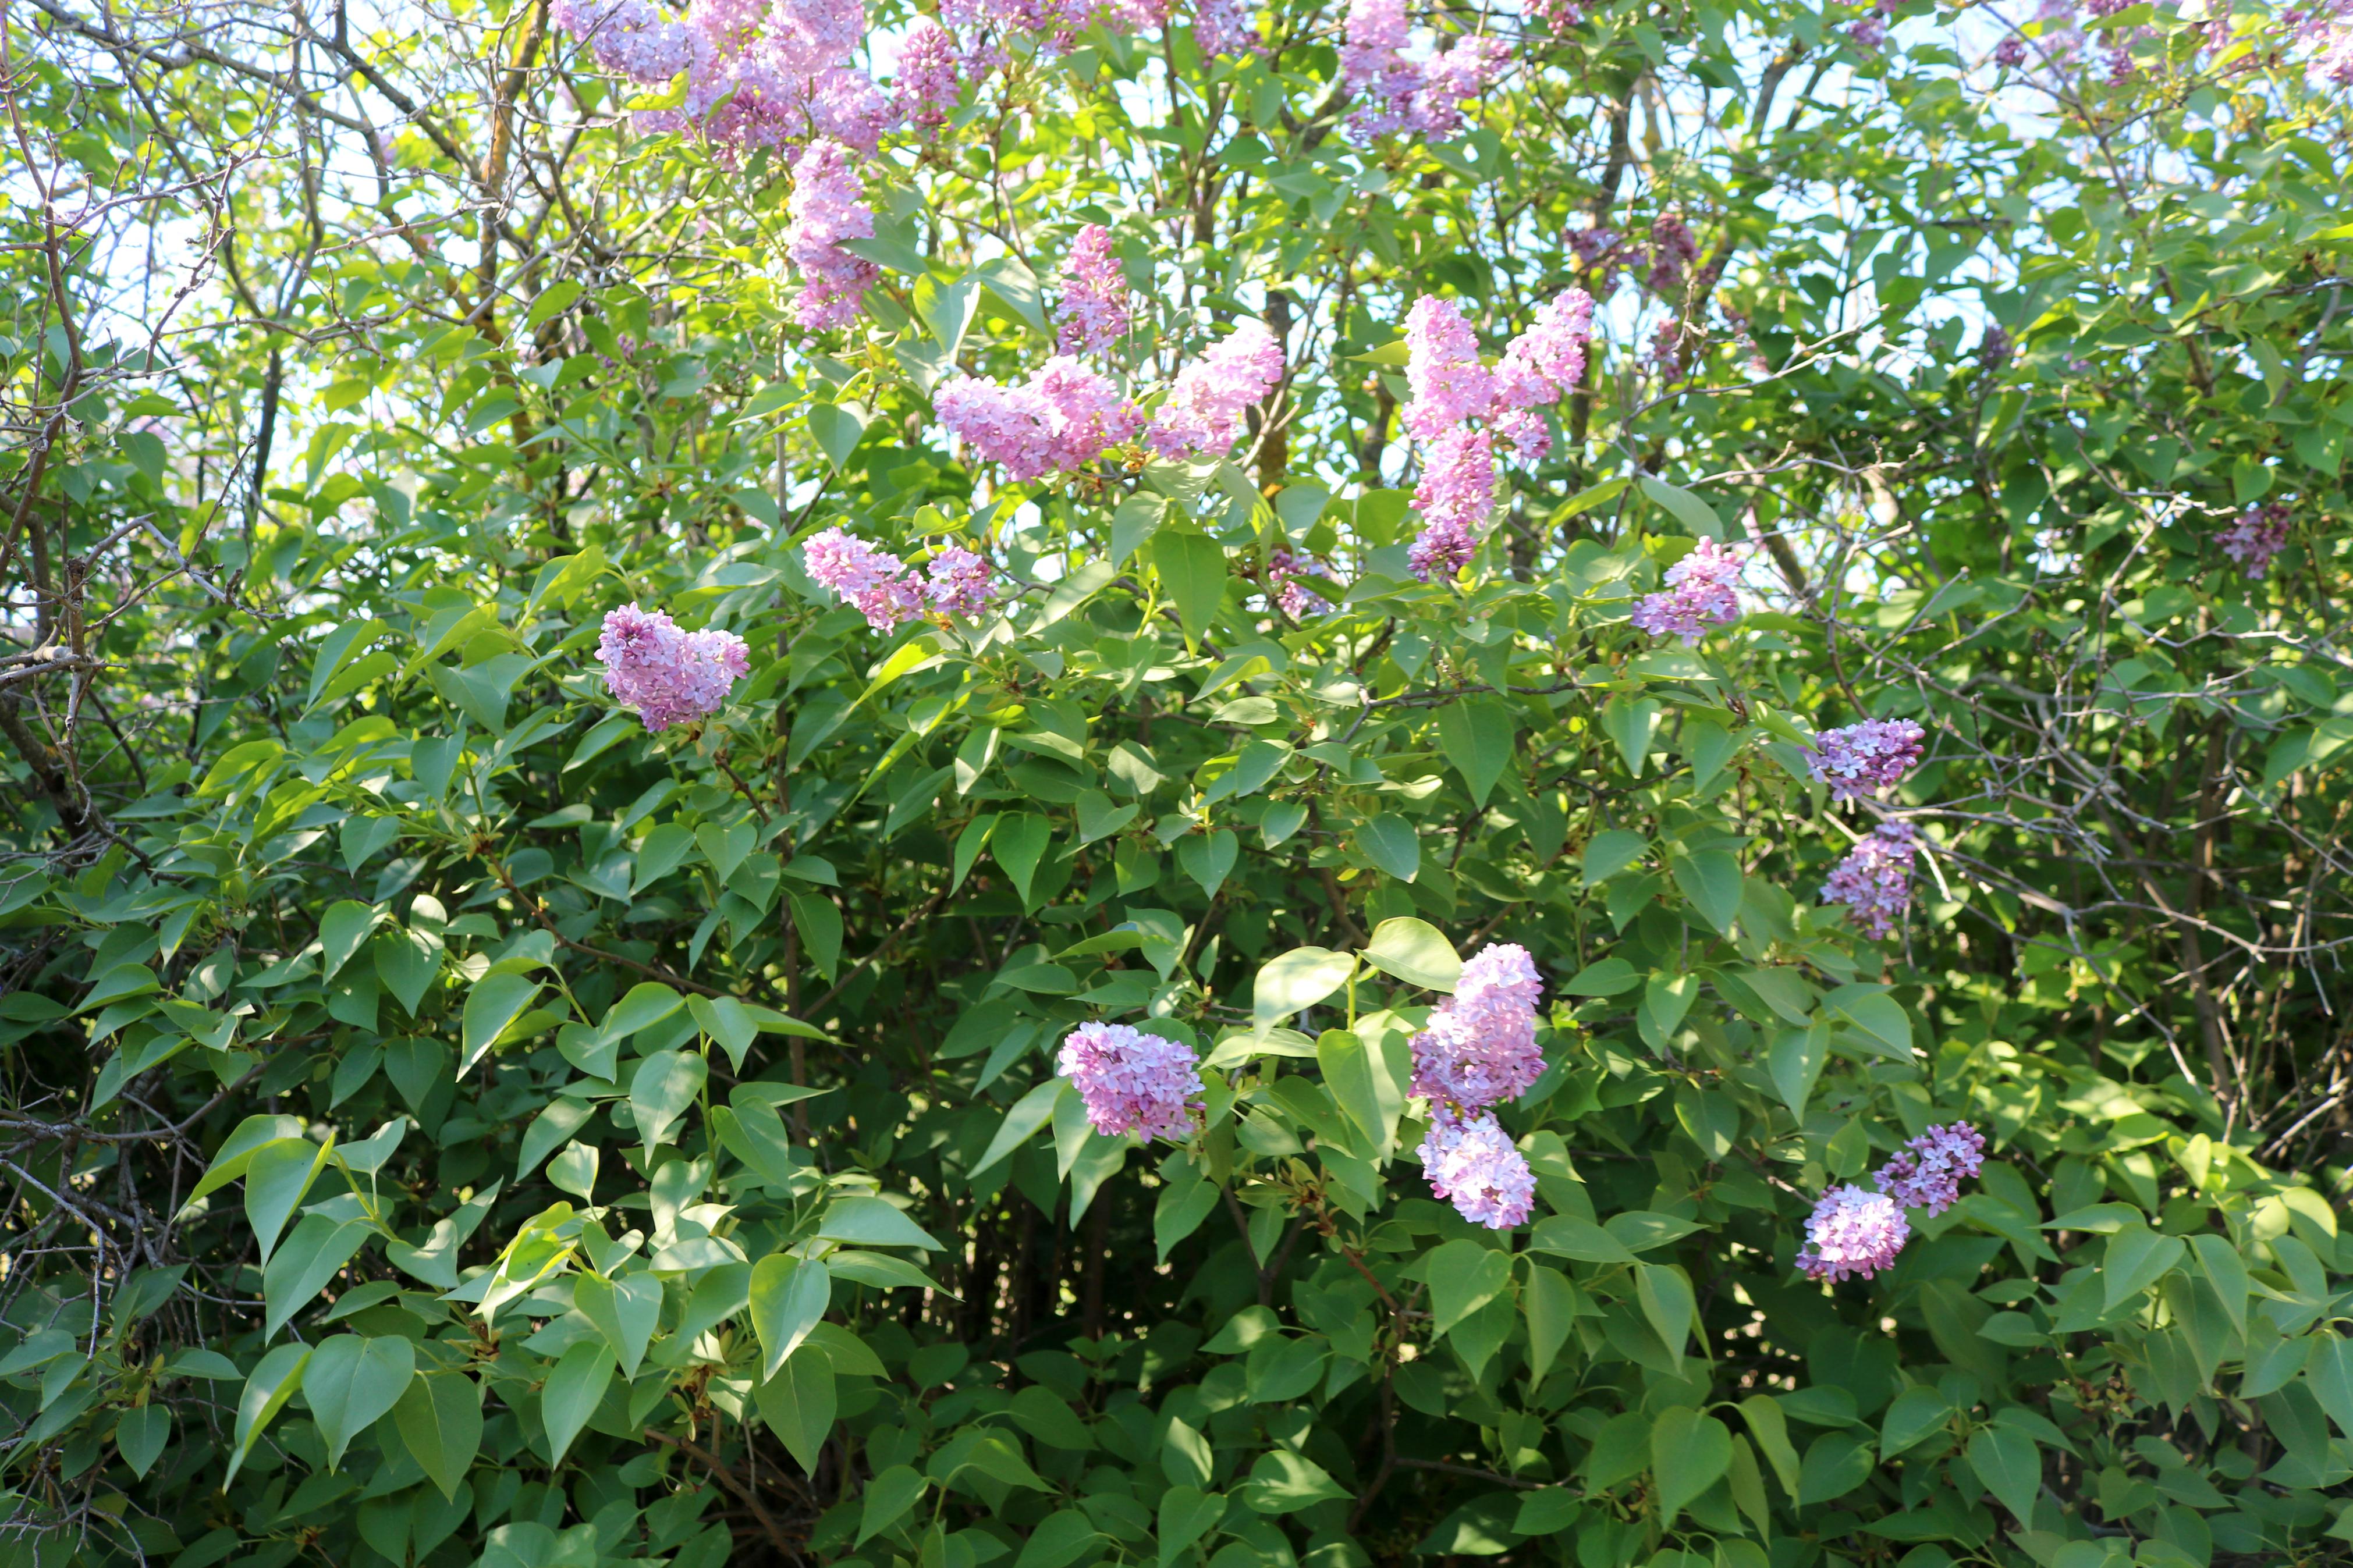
pixel 495 1078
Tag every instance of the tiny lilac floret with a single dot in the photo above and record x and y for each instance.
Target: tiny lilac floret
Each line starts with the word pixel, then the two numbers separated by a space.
pixel 1852 1231
pixel 1471 1163
pixel 1861 760
pixel 1700 594
pixel 1132 1082
pixel 669 675
pixel 1927 1173
pixel 1874 881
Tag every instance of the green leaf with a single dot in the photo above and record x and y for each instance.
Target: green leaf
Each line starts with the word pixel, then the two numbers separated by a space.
pixel 341 930
pixel 1133 522
pixel 276 1178
pixel 1297 981
pixel 1797 1060
pixel 1018 843
pixel 836 427
pixel 665 1085
pixel 1667 1302
pixel 1611 852
pixel 1464 1277
pixel 271 1383
pixel 302 1268
pixel 495 1002
pixel 1686 507
pixel 1549 1304
pixel 1359 1086
pixel 1030 1112
pixel 1603 978
pixel 575 1387
pixel 1711 880
pixel 2226 1273
pixel 1186 1514
pixel 1179 1210
pixel 1770 1428
pixel 1566 1236
pixel 1477 737
pixel 1389 842
pixel 351 1383
pixel 1630 722
pixel 1414 951
pixel 624 1310
pixel 1057 1541
pixel 2005 1459
pixel 865 1220
pixel 408 961
pixel 1916 1412
pixel 789 1295
pixel 1206 857
pixel 1283 1482
pixel 817 919
pixel 1689 1453
pixel 441 1420
pixel 141 1435
pixel 798 1403
pixel 1192 570
pixel 887 1498
pixel 2137 1259
pixel 1836 1463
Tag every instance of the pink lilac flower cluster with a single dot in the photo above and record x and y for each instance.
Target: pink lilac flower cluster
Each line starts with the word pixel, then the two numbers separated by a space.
pixel 1093 313
pixel 1851 1231
pixel 1396 93
pixel 2010 53
pixel 1861 761
pixel 1699 594
pixel 885 589
pixel 1060 420
pixel 1452 389
pixel 1284 568
pixel 1672 250
pixel 2325 29
pixel 1471 1163
pixel 931 76
pixel 1599 253
pixel 1481 1046
pixel 1225 28
pixel 1927 1173
pixel 1132 1082
pixel 1874 881
pixel 827 206
pixel 1871 31
pixel 629 37
pixel 1479 1050
pixel 1203 412
pixel 2260 533
pixel 1558 15
pixel 669 675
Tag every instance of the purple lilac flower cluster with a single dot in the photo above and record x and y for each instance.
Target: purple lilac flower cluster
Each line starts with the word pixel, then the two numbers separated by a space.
pixel 1863 761
pixel 1699 594
pixel 1132 1082
pixel 1672 250
pixel 1093 311
pixel 2258 534
pixel 827 206
pixel 1451 388
pixel 1203 412
pixel 1060 420
pixel 1874 881
pixel 1856 1232
pixel 1284 568
pixel 1225 28
pixel 1870 31
pixel 1479 1050
pixel 1396 93
pixel 669 675
pixel 887 590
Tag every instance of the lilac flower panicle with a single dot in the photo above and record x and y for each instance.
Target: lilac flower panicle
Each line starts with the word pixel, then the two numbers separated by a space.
pixel 1699 594
pixel 931 76
pixel 1284 568
pixel 827 206
pixel 1203 412
pixel 1480 1048
pixel 1927 1173
pixel 669 675
pixel 2258 534
pixel 1541 366
pixel 1456 492
pixel 1672 250
pixel 1225 28
pixel 1471 1163
pixel 876 581
pixel 1449 386
pixel 1861 761
pixel 1396 93
pixel 959 583
pixel 1133 1082
pixel 2010 53
pixel 1060 420
pixel 1093 311
pixel 1852 1231
pixel 1874 881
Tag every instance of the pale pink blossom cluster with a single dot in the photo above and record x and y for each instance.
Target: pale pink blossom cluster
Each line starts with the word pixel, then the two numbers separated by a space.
pixel 1927 1173
pixel 1874 881
pixel 1860 761
pixel 1284 568
pixel 1471 1163
pixel 1452 389
pixel 669 675
pixel 1132 1082
pixel 1396 93
pixel 827 207
pixel 1093 313
pixel 1481 1046
pixel 2258 534
pixel 1852 1231
pixel 2325 29
pixel 1699 594
pixel 1225 28
pixel 1060 420
pixel 1203 412
pixel 930 75
pixel 886 591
